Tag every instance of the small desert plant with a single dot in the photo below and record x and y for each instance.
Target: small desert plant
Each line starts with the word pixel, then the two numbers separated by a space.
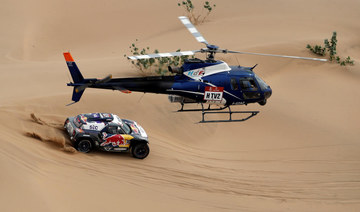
pixel 330 46
pixel 346 61
pixel 157 65
pixel 317 49
pixel 196 18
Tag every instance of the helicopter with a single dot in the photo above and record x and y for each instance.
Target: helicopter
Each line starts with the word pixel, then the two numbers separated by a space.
pixel 208 81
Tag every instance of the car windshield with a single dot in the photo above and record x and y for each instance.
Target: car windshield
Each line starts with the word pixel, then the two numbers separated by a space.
pixel 262 83
pixel 126 128
pixel 122 124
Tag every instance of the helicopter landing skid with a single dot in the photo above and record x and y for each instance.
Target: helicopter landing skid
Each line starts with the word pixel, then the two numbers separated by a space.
pixel 204 112
pixel 192 110
pixel 216 111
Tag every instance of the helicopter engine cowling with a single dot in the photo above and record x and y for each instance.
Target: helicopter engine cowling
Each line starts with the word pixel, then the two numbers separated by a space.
pixel 175 70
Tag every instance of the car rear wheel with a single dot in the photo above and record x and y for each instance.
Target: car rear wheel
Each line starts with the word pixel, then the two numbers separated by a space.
pixel 84 146
pixel 140 151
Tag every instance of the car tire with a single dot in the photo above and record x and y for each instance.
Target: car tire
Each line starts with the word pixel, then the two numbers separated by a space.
pixel 84 146
pixel 140 150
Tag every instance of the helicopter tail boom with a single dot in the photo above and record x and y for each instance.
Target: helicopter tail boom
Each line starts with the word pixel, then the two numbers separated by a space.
pixel 76 75
pixel 80 84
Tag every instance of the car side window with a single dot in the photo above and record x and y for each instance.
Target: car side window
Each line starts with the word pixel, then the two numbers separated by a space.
pixel 234 85
pixel 112 130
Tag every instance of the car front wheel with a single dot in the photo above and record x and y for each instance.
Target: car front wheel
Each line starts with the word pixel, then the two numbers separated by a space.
pixel 84 146
pixel 140 151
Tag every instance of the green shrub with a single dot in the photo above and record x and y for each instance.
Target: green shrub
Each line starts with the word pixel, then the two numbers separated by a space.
pixel 319 50
pixel 194 17
pixel 330 46
pixel 346 61
pixel 159 66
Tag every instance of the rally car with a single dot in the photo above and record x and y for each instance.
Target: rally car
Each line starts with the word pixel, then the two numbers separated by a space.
pixel 107 132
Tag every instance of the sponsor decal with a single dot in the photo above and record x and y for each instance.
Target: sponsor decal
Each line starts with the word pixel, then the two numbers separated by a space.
pixel 69 127
pixel 213 93
pixel 83 118
pixel 95 115
pixel 106 115
pixel 93 127
pixel 121 149
pixel 239 103
pixel 134 128
pixel 108 148
pixel 142 131
pixel 114 140
pixel 96 126
pixel 117 120
pixel 195 73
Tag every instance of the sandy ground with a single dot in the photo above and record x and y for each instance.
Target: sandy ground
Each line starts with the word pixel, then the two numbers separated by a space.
pixel 300 153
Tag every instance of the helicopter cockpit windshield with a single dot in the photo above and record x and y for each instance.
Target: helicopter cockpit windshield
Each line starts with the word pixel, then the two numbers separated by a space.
pixel 262 83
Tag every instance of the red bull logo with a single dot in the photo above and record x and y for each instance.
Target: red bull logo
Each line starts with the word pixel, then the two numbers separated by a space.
pixel 114 140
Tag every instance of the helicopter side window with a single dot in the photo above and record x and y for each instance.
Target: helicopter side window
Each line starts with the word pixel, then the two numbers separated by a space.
pixel 234 85
pixel 248 84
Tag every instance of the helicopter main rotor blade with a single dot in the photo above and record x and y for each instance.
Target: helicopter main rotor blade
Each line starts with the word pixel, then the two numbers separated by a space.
pixel 193 30
pixel 276 55
pixel 171 54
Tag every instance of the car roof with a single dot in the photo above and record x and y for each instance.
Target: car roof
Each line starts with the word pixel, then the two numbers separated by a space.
pixel 97 117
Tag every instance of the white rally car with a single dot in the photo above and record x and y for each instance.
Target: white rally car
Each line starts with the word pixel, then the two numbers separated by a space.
pixel 107 132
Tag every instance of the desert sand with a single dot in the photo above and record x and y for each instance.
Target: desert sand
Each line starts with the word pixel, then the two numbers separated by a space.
pixel 300 153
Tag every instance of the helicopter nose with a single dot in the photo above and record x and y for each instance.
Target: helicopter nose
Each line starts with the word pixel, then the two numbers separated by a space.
pixel 267 93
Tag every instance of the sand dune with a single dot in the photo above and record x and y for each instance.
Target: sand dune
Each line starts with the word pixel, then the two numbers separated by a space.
pixel 300 153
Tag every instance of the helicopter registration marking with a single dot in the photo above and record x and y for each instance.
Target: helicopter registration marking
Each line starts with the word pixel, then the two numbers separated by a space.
pixel 213 93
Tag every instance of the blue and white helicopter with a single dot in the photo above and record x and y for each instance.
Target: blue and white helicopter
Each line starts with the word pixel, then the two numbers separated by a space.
pixel 209 81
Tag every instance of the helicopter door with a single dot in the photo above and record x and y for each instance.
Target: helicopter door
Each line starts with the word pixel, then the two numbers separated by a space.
pixel 234 84
pixel 249 88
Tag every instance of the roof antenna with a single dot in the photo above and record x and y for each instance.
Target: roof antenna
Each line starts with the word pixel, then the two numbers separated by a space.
pixel 253 67
pixel 237 60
